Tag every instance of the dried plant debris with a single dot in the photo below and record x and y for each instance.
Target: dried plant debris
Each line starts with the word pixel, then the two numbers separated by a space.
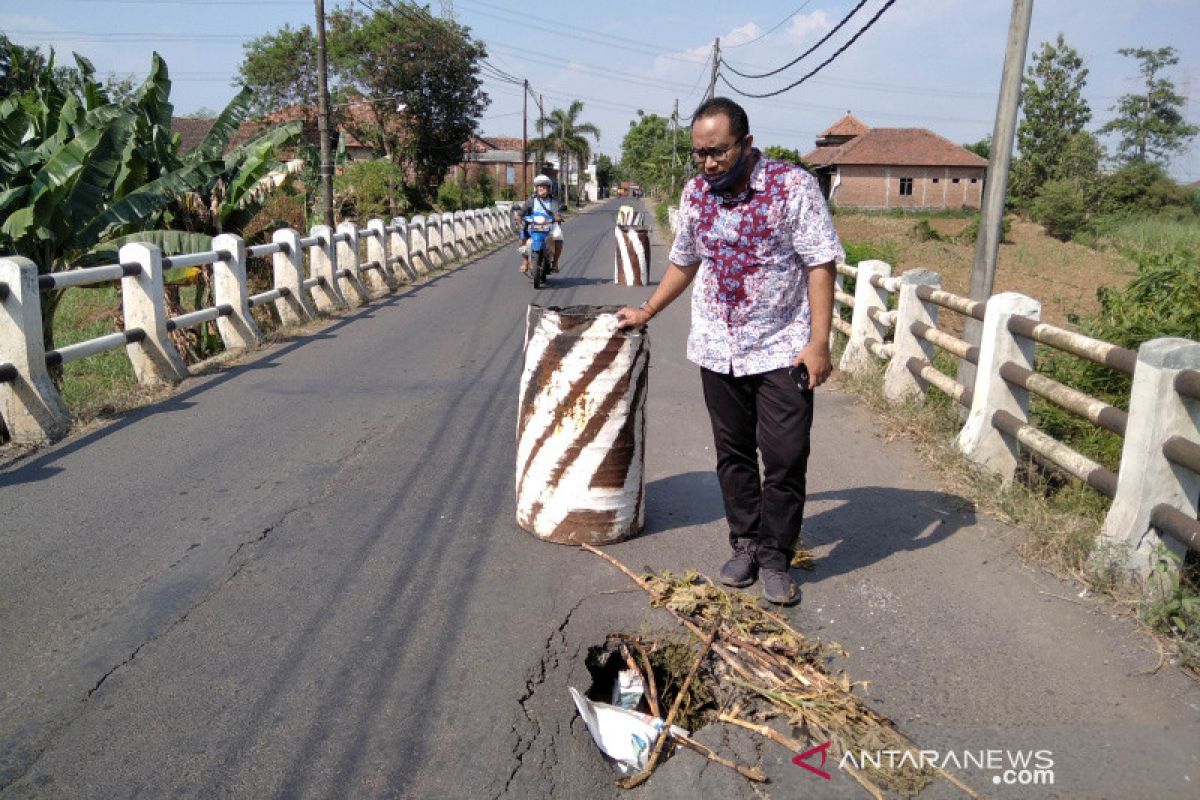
pixel 744 665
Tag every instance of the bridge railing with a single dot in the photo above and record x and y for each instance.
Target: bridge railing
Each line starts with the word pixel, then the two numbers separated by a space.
pixel 324 271
pixel 1156 488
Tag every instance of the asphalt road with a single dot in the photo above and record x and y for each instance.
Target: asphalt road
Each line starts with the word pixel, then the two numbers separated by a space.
pixel 300 577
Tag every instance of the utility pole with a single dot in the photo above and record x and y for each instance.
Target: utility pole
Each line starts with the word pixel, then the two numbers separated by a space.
pixel 716 59
pixel 987 245
pixel 323 118
pixel 525 142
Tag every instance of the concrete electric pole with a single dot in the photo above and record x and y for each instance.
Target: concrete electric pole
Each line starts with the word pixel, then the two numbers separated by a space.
pixel 716 59
pixel 323 118
pixel 987 245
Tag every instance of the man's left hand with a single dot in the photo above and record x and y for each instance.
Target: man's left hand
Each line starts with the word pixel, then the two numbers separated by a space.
pixel 816 358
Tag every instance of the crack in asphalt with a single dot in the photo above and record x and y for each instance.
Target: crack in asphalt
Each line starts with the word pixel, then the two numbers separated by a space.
pixel 548 662
pixel 53 736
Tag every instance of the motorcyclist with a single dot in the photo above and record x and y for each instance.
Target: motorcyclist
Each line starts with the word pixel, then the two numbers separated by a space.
pixel 541 203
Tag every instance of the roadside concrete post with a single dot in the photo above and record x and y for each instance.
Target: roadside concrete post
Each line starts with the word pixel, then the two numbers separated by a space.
pixel 450 249
pixel 154 359
pixel 287 269
pixel 398 247
pixel 487 224
pixel 1157 412
pixel 381 279
pixel 839 287
pixel 462 237
pixel 238 330
pixel 980 440
pixel 30 405
pixel 327 293
pixel 434 246
pixel 348 273
pixel 863 330
pixel 418 245
pixel 899 384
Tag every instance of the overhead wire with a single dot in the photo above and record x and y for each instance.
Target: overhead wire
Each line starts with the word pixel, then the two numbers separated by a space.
pixel 807 52
pixel 821 66
pixel 779 25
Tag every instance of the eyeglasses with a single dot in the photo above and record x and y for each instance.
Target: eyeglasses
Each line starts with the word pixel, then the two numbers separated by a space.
pixel 715 153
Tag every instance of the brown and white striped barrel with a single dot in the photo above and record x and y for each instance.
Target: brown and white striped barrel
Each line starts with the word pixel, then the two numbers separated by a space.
pixel 581 426
pixel 631 264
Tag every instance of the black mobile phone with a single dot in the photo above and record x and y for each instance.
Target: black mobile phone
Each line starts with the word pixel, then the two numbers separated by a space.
pixel 800 376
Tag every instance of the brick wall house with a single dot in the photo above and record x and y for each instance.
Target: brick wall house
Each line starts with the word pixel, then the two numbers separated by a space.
pixel 886 168
pixel 500 158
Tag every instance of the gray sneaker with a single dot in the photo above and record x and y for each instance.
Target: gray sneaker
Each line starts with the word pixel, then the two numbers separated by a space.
pixel 741 570
pixel 779 588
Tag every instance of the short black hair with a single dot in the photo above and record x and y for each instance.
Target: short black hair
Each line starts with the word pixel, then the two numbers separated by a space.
pixel 739 123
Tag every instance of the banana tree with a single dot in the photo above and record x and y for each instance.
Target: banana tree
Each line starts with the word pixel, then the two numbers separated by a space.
pixel 79 173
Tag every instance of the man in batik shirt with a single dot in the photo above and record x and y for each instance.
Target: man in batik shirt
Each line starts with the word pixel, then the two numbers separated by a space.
pixel 758 234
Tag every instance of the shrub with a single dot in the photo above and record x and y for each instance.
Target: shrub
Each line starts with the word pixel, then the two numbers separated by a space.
pixel 971 232
pixel 1163 299
pixel 924 232
pixel 1060 208
pixel 660 215
pixel 370 189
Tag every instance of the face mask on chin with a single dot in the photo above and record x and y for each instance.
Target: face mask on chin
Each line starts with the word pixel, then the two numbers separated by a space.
pixel 729 178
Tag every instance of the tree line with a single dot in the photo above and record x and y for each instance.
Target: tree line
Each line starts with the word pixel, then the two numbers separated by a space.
pixel 1064 177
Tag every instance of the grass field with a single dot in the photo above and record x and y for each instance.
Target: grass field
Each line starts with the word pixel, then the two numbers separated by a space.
pixel 1063 276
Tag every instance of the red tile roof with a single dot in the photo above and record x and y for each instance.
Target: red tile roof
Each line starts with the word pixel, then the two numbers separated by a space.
pixel 905 147
pixel 848 125
pixel 191 130
pixel 502 142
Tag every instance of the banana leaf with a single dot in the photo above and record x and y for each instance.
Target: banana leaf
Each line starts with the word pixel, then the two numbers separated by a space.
pixel 226 124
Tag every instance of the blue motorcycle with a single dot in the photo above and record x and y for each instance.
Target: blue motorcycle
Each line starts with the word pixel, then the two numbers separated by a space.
pixel 539 227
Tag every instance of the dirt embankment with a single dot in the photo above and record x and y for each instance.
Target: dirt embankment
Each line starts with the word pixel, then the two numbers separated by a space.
pixel 1064 276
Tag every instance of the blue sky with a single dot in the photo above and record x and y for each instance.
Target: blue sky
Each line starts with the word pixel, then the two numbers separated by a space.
pixel 926 63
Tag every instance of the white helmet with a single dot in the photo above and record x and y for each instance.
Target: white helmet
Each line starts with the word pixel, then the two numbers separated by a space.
pixel 542 179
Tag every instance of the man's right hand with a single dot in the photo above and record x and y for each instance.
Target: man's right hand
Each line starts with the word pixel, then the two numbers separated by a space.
pixel 632 318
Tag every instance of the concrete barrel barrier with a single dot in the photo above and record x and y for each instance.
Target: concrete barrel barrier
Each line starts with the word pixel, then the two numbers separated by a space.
pixel 581 426
pixel 631 265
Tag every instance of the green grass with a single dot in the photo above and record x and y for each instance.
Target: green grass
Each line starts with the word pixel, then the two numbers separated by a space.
pixel 1158 233
pixel 94 382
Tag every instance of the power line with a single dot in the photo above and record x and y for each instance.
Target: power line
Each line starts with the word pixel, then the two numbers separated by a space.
pixel 807 52
pixel 768 33
pixel 823 64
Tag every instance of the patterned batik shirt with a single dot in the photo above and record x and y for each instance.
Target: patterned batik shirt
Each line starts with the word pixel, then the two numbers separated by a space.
pixel 750 310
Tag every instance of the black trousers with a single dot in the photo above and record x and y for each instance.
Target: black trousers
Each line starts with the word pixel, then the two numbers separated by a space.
pixel 764 413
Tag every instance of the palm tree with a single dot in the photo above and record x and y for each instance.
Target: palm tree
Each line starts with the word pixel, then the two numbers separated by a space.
pixel 562 132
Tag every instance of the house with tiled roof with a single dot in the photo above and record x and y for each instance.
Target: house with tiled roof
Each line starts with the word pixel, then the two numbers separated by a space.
pixel 500 158
pixel 885 168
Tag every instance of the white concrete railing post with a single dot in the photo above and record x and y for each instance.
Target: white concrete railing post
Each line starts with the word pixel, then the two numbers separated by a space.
pixel 450 247
pixel 486 217
pixel 863 329
pixel 322 261
pixel 382 279
pixel 30 405
pixel 1146 478
pixel 238 330
pixel 350 276
pixel 839 285
pixel 418 246
pixel 402 266
pixel 287 269
pixel 899 384
pixel 979 440
pixel 462 237
pixel 154 359
pixel 434 252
